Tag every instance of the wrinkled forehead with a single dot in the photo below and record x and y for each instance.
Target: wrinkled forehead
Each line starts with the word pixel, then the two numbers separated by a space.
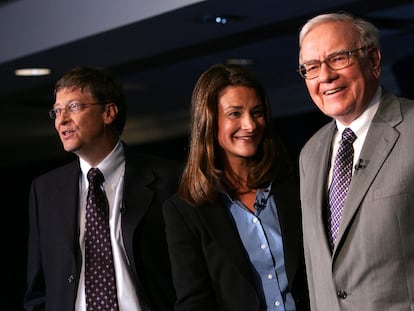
pixel 70 93
pixel 326 38
pixel 74 88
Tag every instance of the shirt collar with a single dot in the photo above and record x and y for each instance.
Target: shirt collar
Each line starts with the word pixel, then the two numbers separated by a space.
pixel 261 193
pixel 111 166
pixel 361 124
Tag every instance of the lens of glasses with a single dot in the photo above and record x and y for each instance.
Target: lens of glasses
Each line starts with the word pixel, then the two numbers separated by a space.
pixel 335 61
pixel 302 71
pixel 52 114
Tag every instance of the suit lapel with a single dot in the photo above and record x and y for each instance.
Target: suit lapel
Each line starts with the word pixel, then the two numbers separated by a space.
pixel 221 227
pixel 320 173
pixel 136 191
pixel 288 210
pixel 379 142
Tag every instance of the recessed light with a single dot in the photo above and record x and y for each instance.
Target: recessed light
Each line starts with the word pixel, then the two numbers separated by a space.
pixel 240 61
pixel 32 72
pixel 221 19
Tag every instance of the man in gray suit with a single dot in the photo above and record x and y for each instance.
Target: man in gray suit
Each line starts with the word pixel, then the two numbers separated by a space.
pixel 369 265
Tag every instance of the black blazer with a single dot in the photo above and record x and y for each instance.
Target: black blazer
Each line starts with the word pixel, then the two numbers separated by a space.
pixel 54 256
pixel 211 269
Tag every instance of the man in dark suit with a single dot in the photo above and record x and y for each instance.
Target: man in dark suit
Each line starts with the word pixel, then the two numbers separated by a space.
pixel 89 115
pixel 368 263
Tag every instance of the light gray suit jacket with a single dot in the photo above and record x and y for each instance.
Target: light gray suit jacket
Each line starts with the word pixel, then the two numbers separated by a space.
pixel 372 265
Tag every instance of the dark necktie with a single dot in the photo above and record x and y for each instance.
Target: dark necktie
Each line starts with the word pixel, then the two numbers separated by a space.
pixel 341 178
pixel 100 284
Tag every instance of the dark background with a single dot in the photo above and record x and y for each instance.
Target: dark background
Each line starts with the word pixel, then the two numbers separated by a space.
pixel 158 56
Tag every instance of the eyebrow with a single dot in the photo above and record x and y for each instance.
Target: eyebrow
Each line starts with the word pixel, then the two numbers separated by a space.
pixel 329 55
pixel 67 102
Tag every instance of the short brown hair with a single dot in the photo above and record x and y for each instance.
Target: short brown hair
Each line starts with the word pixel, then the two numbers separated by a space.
pixel 103 87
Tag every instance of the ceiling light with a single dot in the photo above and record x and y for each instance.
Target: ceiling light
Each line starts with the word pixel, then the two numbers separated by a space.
pixel 240 61
pixel 221 19
pixel 32 72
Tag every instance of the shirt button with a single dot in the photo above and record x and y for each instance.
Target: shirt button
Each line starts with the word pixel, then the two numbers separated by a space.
pixel 342 294
pixel 255 220
pixel 277 303
pixel 269 276
pixel 263 246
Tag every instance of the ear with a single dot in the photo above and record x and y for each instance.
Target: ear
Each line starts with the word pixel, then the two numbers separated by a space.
pixel 110 113
pixel 374 55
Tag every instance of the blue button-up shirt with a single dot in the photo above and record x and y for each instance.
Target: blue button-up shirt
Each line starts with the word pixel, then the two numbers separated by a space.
pixel 261 236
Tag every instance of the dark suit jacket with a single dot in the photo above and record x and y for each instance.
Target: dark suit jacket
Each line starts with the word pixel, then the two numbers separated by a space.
pixel 54 256
pixel 372 265
pixel 211 269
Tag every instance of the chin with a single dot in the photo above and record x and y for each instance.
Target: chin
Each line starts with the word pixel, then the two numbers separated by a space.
pixel 69 148
pixel 247 154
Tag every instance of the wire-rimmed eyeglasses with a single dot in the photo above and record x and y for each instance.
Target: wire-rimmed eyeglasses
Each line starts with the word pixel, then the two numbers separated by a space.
pixel 335 61
pixel 72 106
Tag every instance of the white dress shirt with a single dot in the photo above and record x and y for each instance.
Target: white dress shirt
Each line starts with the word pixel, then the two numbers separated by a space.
pixel 360 127
pixel 113 169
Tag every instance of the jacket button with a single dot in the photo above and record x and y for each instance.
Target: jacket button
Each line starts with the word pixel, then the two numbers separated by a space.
pixel 342 294
pixel 71 278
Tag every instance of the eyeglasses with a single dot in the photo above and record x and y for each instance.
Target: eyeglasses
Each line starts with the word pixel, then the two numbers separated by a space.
pixel 334 61
pixel 73 106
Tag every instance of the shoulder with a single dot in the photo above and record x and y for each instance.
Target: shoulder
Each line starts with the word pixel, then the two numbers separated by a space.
pixel 159 174
pixel 175 208
pixel 63 177
pixel 133 155
pixel 137 160
pixel 176 202
pixel 397 112
pixel 407 106
pixel 61 172
pixel 318 138
pixel 392 101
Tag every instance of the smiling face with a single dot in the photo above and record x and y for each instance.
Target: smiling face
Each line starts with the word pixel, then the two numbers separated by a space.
pixel 241 122
pixel 84 132
pixel 345 93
